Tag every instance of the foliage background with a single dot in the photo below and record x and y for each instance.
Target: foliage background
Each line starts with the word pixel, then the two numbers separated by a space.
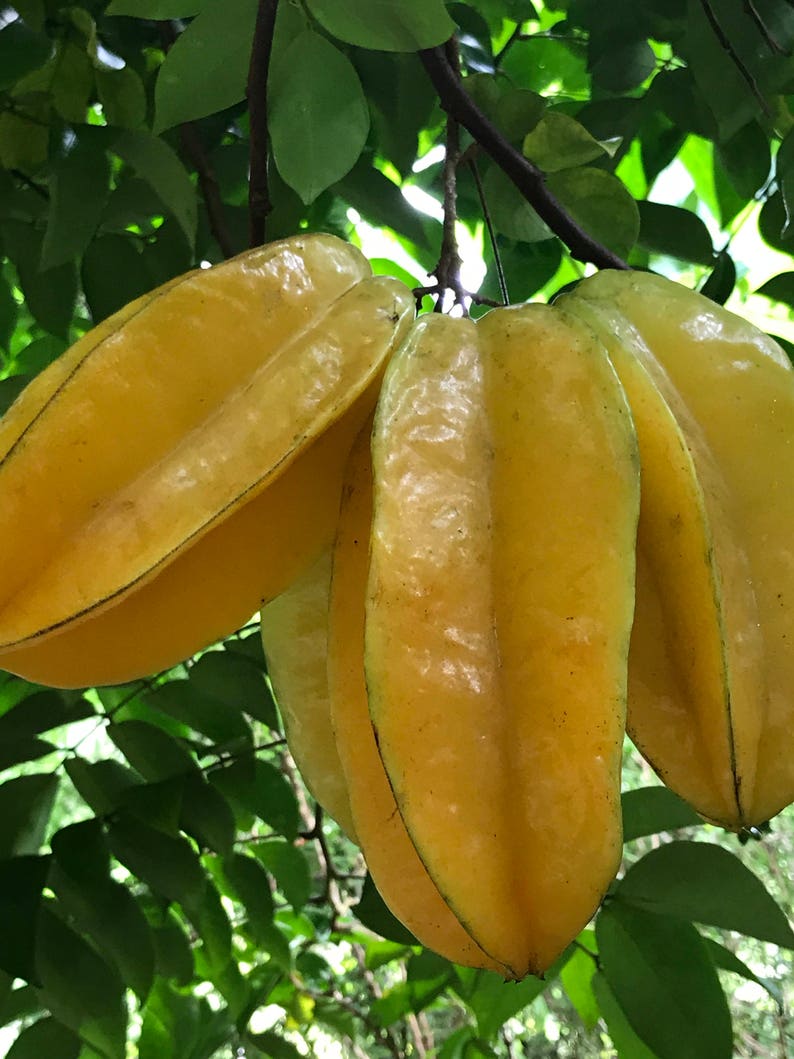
pixel 167 886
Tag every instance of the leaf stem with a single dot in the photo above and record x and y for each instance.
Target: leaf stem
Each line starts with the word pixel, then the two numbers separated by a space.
pixel 527 177
pixel 259 202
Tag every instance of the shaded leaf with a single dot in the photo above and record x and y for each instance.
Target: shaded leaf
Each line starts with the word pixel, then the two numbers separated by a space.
pixel 649 810
pixel 625 66
pixel 401 25
pixel 46 1037
pixel 50 294
pixel 600 203
pixel 729 961
pixel 41 712
pixel 250 882
pixel 625 1040
pixel 706 883
pixel 21 50
pixel 259 788
pixel 157 163
pixel 122 96
pixel 381 202
pixel 206 68
pixel 493 1000
pixel 150 750
pixel 289 867
pixel 510 212
pixel 206 815
pixel 236 685
pixel 577 980
pixel 721 280
pixel 100 784
pixel 746 159
pixel 208 916
pixel 155 9
pixel 676 232
pixel 81 989
pixel 167 864
pixel 21 882
pixel 25 807
pixel 371 910
pixel 171 1024
pixel 113 273
pixel 664 980
pixel 16 751
pixel 80 186
pixel 173 953
pixel 273 1046
pixel 318 116
pixel 779 288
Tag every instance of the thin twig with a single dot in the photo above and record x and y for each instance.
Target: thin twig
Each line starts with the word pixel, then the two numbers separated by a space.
pixel 508 44
pixel 30 184
pixel 762 28
pixel 193 149
pixel 722 37
pixel 259 203
pixel 486 213
pixel 527 177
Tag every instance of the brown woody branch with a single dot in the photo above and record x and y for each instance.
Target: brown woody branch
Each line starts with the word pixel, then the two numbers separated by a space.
pixel 194 151
pixel 259 202
pixel 527 177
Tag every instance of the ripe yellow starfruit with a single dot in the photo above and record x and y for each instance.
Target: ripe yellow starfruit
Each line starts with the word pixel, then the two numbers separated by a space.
pixel 711 666
pixel 499 604
pixel 164 478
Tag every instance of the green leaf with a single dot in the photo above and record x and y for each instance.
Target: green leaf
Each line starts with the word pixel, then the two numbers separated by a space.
pixel 41 712
pixel 518 112
pixel 46 1037
pixel 779 288
pixel 675 232
pixel 122 96
pixel 171 1025
pixel 250 882
pixel 381 202
pixel 705 883
pixel 318 116
pixel 558 142
pixel 167 864
pixel 82 852
pixel 21 50
pixel 653 809
pixel 9 313
pixel 746 159
pixel 158 10
pixel 81 989
pixel 721 280
pixel 401 98
pixel 493 1001
pixel 729 961
pixel 259 788
pixel 110 916
pixel 150 750
pixel 625 66
pixel 80 188
pixel 625 1040
pixel 25 807
pixel 206 815
pixel 510 212
pixel 273 1046
pixel 157 163
pixel 19 1003
pixel 208 916
pixel 157 804
pixel 17 751
pixel 22 880
pixel 100 784
pixel 50 294
pixel 236 685
pixel 289 867
pixel 394 25
pixel 173 954
pixel 664 980
pixel 113 274
pixel 600 203
pixel 205 71
pixel 371 910
pixel 577 980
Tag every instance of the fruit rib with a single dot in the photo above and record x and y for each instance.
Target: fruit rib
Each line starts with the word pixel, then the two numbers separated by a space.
pixel 391 858
pixel 680 712
pixel 295 639
pixel 736 389
pixel 498 614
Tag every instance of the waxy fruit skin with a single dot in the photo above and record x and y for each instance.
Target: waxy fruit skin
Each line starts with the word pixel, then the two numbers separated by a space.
pixel 295 639
pixel 164 479
pixel 711 666
pixel 392 860
pixel 498 612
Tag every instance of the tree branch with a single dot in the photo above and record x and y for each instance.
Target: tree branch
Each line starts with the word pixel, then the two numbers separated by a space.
pixel 527 177
pixel 195 153
pixel 259 203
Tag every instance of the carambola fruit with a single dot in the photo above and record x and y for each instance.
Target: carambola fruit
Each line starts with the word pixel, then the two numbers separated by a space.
pixel 163 479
